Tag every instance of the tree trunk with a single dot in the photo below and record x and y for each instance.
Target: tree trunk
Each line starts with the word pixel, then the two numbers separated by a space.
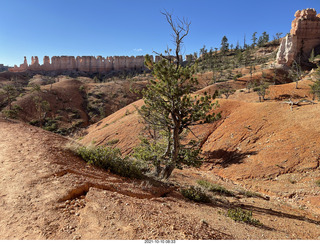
pixel 167 171
pixel 176 146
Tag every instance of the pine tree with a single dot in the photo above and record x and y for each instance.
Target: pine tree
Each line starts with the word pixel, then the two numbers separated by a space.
pixel 254 39
pixel 170 110
pixel 224 45
pixel 263 39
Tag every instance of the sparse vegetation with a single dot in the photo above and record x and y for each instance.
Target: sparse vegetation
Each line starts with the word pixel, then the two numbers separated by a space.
pixel 250 194
pixel 13 112
pixel 261 89
pixel 296 72
pixel 318 182
pixel 315 87
pixel 195 194
pixel 226 91
pixel 240 215
pixel 112 142
pixel 10 93
pixel 215 188
pixel 111 159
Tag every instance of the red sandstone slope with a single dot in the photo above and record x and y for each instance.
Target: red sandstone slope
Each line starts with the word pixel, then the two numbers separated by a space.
pixel 123 126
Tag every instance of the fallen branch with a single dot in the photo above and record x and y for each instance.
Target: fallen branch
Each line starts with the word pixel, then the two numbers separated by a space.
pixel 291 103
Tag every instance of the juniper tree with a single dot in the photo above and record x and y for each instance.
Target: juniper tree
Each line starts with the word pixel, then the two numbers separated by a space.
pixel 170 110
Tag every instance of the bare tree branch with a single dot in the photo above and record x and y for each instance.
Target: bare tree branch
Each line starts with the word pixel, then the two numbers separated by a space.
pixel 181 29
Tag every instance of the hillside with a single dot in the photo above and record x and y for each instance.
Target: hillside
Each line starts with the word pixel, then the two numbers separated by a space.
pixel 72 103
pixel 265 146
pixel 63 198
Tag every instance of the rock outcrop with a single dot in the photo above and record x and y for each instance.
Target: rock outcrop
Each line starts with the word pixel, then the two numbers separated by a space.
pixel 88 64
pixel 302 39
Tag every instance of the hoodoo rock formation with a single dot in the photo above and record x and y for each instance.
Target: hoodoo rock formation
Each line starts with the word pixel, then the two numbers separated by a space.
pixel 302 39
pixel 88 64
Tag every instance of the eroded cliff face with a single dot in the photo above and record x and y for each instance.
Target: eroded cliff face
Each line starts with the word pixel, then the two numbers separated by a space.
pixel 88 64
pixel 303 38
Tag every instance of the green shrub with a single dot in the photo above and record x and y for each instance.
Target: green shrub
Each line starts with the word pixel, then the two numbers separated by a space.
pixel 50 125
pixel 58 117
pixel 111 159
pixel 318 183
pixel 13 113
pixel 195 194
pixel 250 194
pixel 215 188
pixel 241 215
pixel 235 77
pixel 34 122
pixel 112 142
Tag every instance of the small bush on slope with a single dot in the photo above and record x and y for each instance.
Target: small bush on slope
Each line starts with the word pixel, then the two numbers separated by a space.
pixel 240 215
pixel 195 194
pixel 111 159
pixel 215 188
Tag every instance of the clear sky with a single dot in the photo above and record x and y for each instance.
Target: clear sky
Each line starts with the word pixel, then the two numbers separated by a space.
pixel 133 27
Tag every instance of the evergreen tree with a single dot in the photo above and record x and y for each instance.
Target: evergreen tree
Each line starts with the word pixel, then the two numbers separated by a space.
pixel 245 46
pixel 237 46
pixel 254 39
pixel 203 51
pixel 224 45
pixel 170 109
pixel 276 38
pixel 263 39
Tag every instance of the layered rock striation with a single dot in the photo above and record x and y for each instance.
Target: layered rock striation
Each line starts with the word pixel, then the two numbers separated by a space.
pixel 302 39
pixel 90 64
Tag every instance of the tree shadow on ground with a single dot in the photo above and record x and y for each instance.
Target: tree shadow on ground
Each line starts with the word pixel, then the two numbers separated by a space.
pixel 226 158
pixel 255 209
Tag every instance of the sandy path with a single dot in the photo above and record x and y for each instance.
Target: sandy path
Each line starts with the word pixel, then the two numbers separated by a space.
pixel 24 203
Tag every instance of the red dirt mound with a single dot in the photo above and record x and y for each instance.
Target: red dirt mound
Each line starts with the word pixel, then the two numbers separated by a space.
pixel 62 96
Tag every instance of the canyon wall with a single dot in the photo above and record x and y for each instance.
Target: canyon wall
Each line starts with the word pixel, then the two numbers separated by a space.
pixel 302 39
pixel 90 64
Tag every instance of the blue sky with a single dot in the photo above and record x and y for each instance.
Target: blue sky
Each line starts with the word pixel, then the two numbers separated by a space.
pixel 124 27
